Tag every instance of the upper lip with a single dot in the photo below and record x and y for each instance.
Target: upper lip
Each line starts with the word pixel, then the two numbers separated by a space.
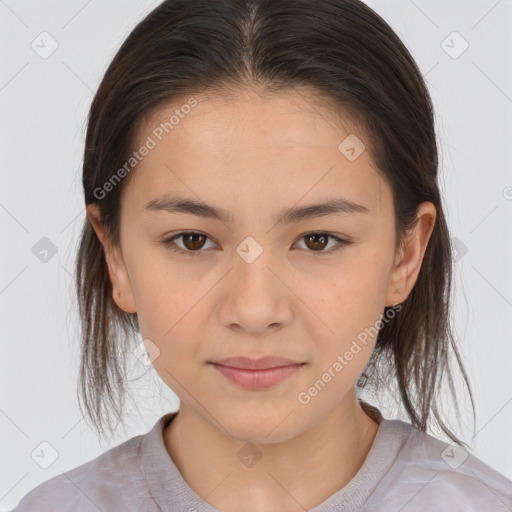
pixel 246 363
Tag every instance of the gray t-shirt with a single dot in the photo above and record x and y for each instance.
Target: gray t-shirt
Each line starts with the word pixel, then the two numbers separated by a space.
pixel 406 470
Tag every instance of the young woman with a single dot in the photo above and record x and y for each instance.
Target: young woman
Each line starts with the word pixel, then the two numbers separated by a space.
pixel 260 179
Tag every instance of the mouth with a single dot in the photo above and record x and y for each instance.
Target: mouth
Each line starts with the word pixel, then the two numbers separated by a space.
pixel 256 373
pixel 263 363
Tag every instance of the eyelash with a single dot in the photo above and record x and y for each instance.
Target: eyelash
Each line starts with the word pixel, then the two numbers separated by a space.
pixel 169 243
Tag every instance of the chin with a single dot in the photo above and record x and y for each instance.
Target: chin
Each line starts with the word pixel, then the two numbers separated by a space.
pixel 247 426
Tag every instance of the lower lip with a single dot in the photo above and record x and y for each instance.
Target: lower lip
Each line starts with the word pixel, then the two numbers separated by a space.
pixel 256 379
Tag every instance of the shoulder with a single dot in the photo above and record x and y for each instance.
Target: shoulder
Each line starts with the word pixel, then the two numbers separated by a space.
pixel 430 474
pixel 111 481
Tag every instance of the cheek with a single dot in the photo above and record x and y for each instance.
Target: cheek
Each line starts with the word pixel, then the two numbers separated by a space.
pixel 349 306
pixel 163 292
pixel 352 295
pixel 168 317
pixel 171 312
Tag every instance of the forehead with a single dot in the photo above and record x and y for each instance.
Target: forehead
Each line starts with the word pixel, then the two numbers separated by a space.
pixel 249 118
pixel 279 145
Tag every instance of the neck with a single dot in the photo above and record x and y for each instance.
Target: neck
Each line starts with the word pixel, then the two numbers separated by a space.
pixel 301 471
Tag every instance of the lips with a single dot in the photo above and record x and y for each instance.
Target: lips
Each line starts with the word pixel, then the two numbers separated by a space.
pixel 256 374
pixel 264 363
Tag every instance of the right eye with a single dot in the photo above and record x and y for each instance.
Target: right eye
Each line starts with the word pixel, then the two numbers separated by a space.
pixel 192 242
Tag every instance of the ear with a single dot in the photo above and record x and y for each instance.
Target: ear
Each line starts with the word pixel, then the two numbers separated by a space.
pixel 121 286
pixel 408 262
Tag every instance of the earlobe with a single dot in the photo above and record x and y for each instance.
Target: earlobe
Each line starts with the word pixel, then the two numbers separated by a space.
pixel 121 286
pixel 410 257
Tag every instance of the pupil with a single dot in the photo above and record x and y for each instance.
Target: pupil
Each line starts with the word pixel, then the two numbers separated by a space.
pixel 316 238
pixel 195 244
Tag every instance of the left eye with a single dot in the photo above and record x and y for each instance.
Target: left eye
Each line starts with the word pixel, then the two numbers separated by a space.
pixel 318 241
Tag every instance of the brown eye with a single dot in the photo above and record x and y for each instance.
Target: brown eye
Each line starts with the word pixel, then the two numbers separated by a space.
pixel 187 242
pixel 316 241
pixel 319 241
pixel 193 241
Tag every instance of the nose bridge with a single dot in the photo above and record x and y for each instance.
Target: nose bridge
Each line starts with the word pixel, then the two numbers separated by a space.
pixel 252 264
pixel 255 297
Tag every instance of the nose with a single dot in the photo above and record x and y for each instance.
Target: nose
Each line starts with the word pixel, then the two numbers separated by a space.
pixel 255 296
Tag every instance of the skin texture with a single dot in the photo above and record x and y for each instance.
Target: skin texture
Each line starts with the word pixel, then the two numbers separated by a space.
pixel 253 155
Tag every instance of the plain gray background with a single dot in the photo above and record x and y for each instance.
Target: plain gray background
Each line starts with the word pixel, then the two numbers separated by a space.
pixel 44 104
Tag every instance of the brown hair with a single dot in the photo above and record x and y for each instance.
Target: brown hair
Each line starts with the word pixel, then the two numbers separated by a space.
pixel 348 54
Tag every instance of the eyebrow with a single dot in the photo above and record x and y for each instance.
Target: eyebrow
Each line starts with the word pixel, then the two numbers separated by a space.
pixel 176 204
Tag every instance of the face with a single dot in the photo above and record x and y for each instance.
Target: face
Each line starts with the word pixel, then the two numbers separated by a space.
pixel 260 274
